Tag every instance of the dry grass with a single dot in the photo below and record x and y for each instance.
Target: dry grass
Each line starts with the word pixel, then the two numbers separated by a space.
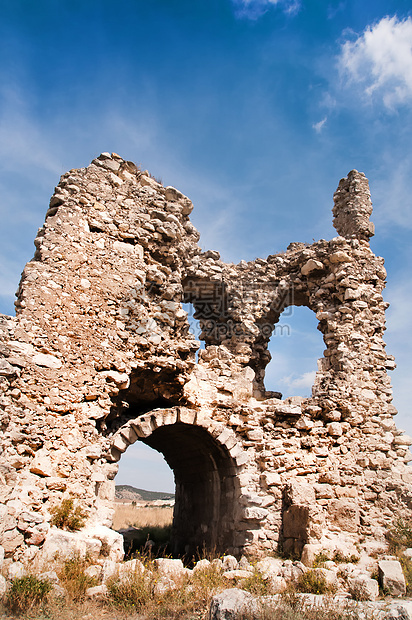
pixel 188 600
pixel 141 596
pixel 66 609
pixel 127 515
pixel 184 605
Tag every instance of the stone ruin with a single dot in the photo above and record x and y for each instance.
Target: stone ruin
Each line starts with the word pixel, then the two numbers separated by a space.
pixel 100 355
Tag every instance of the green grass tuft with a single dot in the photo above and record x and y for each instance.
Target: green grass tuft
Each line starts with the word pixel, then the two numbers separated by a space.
pixel 67 517
pixel 26 593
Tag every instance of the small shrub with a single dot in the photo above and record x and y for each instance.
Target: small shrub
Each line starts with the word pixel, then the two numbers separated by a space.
pixel 73 577
pixel 207 580
pixel 340 558
pixel 67 517
pixel 255 584
pixel 399 536
pixel 406 564
pixel 104 549
pixel 26 593
pixel 320 559
pixel 312 582
pixel 133 592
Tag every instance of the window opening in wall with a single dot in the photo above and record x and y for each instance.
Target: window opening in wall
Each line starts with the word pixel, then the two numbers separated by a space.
pixel 295 347
pixel 145 496
pixel 194 325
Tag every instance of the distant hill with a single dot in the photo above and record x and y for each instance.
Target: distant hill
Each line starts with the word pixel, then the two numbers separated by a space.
pixel 125 491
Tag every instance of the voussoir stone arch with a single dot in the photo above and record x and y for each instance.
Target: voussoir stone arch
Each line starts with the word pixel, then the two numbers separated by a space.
pixel 207 460
pixel 100 354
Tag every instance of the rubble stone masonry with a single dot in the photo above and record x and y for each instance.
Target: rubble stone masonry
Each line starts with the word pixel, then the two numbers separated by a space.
pixel 100 355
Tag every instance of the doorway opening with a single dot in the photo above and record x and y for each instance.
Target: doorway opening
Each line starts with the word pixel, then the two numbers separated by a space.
pixel 206 487
pixel 295 347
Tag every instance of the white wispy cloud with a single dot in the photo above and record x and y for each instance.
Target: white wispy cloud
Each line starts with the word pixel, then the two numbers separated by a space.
pixel 319 126
pixel 379 61
pixel 301 382
pixel 252 9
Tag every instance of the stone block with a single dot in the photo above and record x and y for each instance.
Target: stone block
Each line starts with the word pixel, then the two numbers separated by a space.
pixel 269 567
pixel 126 569
pixel 328 575
pixel 296 522
pixel 230 604
pixel 49 575
pixel 129 434
pixel 344 513
pixel 48 361
pixel 120 443
pixel 300 493
pixel 310 266
pixel 391 577
pixel 42 464
pixel 232 575
pixel 229 562
pixel 400 611
pixel 170 568
pixel 254 513
pixel 363 588
pixel 201 565
pixel 109 569
pixel 309 552
pixel 97 593
pixel 6 369
pixel 11 540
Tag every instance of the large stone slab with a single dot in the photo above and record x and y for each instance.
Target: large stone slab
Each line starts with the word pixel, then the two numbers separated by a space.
pixel 391 577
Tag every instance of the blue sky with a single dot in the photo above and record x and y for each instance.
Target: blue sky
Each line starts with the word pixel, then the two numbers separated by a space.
pixel 254 109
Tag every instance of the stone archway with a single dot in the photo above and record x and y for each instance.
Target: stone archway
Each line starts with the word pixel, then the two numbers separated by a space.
pixel 206 514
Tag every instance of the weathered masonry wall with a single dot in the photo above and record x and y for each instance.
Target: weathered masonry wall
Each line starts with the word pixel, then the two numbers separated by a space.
pixel 100 355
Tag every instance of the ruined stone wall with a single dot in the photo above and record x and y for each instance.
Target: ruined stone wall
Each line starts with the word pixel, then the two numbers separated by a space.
pixel 100 355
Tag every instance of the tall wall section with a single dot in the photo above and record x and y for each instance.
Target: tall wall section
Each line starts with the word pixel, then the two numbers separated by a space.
pixel 100 355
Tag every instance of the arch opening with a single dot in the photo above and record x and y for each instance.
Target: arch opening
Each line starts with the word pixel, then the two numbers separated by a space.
pixel 294 349
pixel 206 488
